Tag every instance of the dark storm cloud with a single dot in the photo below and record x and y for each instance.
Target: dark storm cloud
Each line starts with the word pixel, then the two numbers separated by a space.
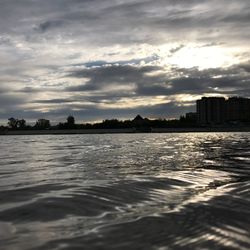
pixel 92 100
pixel 52 101
pixel 137 61
pixel 42 27
pixel 148 82
pixel 36 90
pixel 101 77
pixel 218 80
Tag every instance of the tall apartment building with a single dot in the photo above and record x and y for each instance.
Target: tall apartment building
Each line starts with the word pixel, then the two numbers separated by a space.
pixel 211 110
pixel 238 109
pixel 218 110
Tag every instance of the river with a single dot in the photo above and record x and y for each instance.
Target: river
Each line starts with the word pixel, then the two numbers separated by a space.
pixel 125 191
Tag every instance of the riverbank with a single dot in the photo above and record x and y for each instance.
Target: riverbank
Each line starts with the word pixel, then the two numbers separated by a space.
pixel 123 131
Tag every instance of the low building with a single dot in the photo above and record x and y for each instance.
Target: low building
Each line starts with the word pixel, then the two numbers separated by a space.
pixel 43 123
pixel 191 116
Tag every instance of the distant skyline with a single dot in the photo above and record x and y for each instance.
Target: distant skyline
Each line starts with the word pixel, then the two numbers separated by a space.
pixel 103 59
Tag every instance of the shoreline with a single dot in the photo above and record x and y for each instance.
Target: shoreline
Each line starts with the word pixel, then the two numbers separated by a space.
pixel 123 131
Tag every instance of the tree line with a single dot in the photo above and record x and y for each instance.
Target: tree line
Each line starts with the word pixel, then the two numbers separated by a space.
pixel 138 123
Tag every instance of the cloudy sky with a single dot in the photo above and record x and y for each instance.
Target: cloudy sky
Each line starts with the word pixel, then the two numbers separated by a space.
pixel 99 59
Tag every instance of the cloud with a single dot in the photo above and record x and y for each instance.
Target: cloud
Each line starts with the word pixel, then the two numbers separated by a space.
pixel 10 102
pixel 238 18
pixel 105 22
pixel 153 80
pixel 176 49
pixel 134 61
pixel 94 100
pixel 29 90
pixel 101 77
pixel 48 25
pixel 60 56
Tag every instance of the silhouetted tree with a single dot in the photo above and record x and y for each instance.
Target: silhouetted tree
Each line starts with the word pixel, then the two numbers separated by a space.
pixel 3 128
pixel 21 123
pixel 12 122
pixel 70 122
pixel 16 123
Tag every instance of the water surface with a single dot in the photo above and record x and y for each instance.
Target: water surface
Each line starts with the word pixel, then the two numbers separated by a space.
pixel 125 191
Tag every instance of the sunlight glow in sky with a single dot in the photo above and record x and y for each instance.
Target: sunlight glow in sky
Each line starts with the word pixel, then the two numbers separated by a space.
pixel 203 58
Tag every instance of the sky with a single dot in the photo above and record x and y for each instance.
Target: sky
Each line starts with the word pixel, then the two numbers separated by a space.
pixel 104 59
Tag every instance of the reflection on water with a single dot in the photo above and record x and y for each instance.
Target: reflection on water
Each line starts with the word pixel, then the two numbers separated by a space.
pixel 138 191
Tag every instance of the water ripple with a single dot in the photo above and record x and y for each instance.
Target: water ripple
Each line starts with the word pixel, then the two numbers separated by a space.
pixel 139 191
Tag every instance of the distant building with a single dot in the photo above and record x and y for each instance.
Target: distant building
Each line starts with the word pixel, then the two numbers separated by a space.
pixel 141 124
pixel 211 110
pixel 138 118
pixel 191 116
pixel 238 109
pixel 218 110
pixel 43 123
